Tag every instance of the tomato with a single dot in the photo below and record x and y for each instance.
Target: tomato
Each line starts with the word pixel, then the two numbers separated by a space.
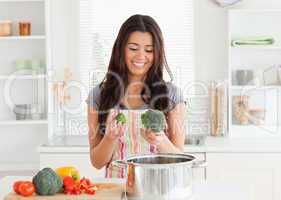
pixel 16 186
pixel 26 188
pixel 68 183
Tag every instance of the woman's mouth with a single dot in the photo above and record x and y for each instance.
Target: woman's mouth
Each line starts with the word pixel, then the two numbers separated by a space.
pixel 139 64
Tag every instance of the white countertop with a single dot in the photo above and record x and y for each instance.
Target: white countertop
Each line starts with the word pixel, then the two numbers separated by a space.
pixel 79 144
pixel 202 190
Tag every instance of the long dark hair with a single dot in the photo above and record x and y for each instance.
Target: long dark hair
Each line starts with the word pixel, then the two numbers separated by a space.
pixel 115 82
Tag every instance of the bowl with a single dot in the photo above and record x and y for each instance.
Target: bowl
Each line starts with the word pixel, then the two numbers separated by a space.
pixel 28 111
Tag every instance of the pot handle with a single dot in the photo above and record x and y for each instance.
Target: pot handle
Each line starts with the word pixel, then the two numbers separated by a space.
pixel 199 164
pixel 119 163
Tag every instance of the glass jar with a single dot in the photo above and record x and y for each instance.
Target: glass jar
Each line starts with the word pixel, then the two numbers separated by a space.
pixel 24 28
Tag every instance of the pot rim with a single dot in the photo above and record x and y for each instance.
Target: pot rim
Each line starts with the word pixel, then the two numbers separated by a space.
pixel 171 155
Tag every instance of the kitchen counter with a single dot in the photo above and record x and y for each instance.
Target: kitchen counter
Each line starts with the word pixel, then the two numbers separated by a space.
pixel 79 144
pixel 202 190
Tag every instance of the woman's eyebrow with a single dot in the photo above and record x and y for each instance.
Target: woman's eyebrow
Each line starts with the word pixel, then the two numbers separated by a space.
pixel 148 45
pixel 133 43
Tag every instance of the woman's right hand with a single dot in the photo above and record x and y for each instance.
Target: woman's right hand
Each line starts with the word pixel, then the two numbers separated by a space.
pixel 113 129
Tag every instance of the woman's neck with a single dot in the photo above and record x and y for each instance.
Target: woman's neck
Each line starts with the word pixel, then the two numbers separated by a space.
pixel 135 85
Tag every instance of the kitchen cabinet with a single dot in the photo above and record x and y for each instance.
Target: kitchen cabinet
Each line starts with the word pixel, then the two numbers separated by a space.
pixel 259 173
pixel 24 62
pixel 254 73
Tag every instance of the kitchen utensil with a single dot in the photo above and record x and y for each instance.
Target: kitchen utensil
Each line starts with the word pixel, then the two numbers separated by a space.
pixel 258 77
pixel 28 111
pixel 28 66
pixel 279 74
pixel 23 64
pixel 5 28
pixel 271 75
pixel 195 139
pixel 159 176
pixel 24 28
pixel 244 77
pixel 112 192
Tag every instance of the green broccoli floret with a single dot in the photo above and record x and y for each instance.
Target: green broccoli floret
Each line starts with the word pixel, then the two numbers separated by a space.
pixel 47 182
pixel 154 120
pixel 121 118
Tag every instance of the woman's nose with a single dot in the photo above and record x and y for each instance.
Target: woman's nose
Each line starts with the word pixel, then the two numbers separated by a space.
pixel 140 54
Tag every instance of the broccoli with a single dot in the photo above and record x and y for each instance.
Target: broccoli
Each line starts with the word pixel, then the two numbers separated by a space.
pixel 121 118
pixel 47 182
pixel 154 120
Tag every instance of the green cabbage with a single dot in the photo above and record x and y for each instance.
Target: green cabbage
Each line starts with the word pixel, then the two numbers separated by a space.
pixel 47 182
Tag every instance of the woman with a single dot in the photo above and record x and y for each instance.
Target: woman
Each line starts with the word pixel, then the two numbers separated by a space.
pixel 134 81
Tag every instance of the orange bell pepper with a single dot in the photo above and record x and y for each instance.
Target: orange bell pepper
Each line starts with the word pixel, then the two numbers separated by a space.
pixel 68 171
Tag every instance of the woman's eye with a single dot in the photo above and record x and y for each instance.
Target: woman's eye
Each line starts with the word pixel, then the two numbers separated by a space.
pixel 133 49
pixel 149 51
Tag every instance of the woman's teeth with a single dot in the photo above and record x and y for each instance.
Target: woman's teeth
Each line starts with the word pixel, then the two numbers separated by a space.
pixel 137 64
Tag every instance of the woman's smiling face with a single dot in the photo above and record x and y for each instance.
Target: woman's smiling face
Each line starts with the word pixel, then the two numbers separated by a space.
pixel 139 54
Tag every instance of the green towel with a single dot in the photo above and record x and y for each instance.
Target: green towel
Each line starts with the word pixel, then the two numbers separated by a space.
pixel 256 40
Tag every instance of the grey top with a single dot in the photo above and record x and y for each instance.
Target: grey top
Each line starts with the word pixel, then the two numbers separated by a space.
pixel 174 94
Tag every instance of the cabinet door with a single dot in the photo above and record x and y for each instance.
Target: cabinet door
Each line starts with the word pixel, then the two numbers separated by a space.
pixel 79 160
pixel 257 173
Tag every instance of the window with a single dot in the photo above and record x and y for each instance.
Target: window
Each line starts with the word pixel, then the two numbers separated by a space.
pixel 100 21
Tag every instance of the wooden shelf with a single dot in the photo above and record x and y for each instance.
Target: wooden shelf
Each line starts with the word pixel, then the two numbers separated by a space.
pixel 32 37
pixel 23 122
pixel 23 77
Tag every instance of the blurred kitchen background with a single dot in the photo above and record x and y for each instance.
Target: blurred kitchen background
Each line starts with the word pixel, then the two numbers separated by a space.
pixel 226 58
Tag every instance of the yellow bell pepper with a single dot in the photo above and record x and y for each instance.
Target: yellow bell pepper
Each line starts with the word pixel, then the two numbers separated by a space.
pixel 68 171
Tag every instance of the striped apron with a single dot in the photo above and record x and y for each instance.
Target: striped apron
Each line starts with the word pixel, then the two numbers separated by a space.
pixel 131 143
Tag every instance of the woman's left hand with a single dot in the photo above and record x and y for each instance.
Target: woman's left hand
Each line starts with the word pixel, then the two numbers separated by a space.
pixel 153 138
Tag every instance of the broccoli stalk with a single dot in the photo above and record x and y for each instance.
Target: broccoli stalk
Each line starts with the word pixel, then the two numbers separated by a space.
pixel 154 120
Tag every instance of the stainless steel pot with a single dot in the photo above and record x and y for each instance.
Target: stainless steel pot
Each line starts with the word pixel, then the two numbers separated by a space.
pixel 159 176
